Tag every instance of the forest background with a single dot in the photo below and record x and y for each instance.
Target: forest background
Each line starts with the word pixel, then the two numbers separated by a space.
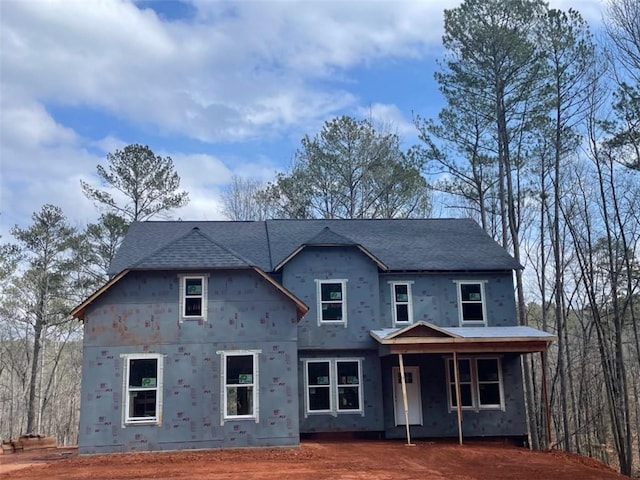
pixel 539 142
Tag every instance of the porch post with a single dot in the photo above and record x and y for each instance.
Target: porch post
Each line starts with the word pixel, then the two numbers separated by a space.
pixel 547 416
pixel 404 398
pixel 456 376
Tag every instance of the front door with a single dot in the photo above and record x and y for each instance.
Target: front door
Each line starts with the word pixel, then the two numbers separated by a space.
pixel 414 398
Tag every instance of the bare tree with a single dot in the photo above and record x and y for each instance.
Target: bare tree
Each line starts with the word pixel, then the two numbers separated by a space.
pixel 242 200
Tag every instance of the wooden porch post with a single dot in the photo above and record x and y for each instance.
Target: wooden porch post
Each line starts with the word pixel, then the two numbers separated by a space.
pixel 404 398
pixel 456 376
pixel 547 416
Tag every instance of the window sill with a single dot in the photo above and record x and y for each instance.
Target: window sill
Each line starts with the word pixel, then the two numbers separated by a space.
pixel 132 423
pixel 496 408
pixel 335 413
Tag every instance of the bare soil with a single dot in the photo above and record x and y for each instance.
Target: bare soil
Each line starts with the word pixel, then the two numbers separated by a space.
pixel 316 460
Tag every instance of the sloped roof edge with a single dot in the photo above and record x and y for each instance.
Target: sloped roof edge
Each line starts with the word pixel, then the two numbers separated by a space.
pixel 366 252
pixel 79 311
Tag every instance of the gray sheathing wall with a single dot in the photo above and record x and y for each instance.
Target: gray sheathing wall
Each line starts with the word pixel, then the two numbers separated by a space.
pixel 438 420
pixel 372 417
pixel 435 298
pixel 338 341
pixel 363 301
pixel 140 315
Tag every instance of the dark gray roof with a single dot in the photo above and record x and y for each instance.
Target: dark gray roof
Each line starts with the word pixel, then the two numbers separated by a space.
pixel 329 237
pixel 193 250
pixel 401 244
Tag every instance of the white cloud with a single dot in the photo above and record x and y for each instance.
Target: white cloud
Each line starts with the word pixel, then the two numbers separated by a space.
pixel 238 70
pixel 230 75
pixel 389 117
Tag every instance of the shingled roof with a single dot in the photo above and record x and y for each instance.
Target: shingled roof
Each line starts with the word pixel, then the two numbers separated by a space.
pixel 193 250
pixel 400 244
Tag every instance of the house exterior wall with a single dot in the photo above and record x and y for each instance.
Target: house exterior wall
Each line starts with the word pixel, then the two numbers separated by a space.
pixel 372 416
pixel 435 297
pixel 369 306
pixel 140 314
pixel 339 341
pixel 363 302
pixel 441 421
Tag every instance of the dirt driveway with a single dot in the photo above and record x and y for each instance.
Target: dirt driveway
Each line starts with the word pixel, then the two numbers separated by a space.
pixel 316 460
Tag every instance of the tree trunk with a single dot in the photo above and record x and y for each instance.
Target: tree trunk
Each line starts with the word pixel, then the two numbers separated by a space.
pixel 35 362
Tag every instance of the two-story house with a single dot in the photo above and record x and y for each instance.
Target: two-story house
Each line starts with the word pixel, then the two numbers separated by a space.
pixel 230 334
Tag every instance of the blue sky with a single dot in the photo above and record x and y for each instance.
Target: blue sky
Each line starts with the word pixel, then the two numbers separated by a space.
pixel 224 88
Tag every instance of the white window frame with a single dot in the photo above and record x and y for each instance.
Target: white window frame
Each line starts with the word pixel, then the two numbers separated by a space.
pixel 334 386
pixel 451 384
pixel 126 389
pixel 395 303
pixel 330 386
pixel 255 384
pixel 343 301
pixel 203 296
pixel 475 383
pixel 482 301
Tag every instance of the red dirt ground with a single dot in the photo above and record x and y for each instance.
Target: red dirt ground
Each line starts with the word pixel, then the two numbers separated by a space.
pixel 316 460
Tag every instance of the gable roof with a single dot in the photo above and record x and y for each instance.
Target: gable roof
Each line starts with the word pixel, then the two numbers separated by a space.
pixel 192 250
pixel 328 238
pixel 398 244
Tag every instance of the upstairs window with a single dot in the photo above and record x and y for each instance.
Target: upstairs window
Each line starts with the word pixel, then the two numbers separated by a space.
pixel 332 301
pixel 401 303
pixel 143 388
pixel 193 297
pixel 471 302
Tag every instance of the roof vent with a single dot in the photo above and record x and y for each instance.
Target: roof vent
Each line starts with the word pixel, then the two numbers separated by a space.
pixel 196 229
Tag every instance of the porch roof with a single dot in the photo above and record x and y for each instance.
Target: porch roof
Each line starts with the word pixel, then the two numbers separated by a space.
pixel 425 337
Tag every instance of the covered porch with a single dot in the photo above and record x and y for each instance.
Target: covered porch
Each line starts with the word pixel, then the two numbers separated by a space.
pixel 431 367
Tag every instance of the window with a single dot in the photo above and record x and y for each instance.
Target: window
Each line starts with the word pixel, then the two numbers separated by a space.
pixel 471 302
pixel 480 383
pixel 401 303
pixel 332 301
pixel 193 297
pixel 333 386
pixel 464 372
pixel 489 382
pixel 319 386
pixel 142 388
pixel 240 384
pixel 348 385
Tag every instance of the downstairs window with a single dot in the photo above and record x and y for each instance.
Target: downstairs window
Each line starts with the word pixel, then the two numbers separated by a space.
pixel 142 388
pixel 481 385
